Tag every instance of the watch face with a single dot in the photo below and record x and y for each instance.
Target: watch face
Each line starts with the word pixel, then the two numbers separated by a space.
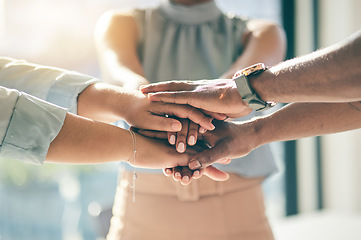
pixel 254 69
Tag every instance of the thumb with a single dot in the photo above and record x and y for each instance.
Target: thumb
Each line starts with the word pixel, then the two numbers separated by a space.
pixel 215 174
pixel 209 156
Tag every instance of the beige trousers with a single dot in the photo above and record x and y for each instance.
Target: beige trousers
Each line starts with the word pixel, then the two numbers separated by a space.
pixel 205 209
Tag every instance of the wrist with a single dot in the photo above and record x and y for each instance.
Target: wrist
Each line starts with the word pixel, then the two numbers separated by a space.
pixel 243 79
pixel 102 102
pixel 262 85
pixel 263 131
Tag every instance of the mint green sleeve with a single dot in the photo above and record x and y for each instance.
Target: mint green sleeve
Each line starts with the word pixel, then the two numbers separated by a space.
pixel 27 126
pixel 55 85
pixel 34 100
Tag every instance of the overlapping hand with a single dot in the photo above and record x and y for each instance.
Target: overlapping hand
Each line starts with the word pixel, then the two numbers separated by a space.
pixel 213 98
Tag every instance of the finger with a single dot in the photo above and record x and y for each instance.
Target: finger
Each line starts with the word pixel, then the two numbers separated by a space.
pixel 224 161
pixel 192 133
pixel 181 142
pixel 168 172
pixel 167 86
pixel 152 134
pixel 172 138
pixel 202 130
pixel 181 97
pixel 218 116
pixel 177 176
pixel 186 175
pixel 198 173
pixel 215 174
pixel 160 122
pixel 184 111
pixel 209 156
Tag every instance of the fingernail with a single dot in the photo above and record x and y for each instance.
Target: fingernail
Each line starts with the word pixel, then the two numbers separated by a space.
pixel 185 179
pixel 196 174
pixel 168 171
pixel 191 140
pixel 176 126
pixel 181 147
pixel 177 174
pixel 194 165
pixel 172 139
pixel 202 130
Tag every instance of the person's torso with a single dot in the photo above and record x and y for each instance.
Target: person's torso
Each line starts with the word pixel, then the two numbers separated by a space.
pixel 198 42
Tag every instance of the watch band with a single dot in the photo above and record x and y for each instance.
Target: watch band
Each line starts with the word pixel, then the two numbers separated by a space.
pixel 246 91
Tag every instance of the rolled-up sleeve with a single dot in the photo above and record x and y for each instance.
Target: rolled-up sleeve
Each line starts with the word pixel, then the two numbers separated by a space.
pixel 27 126
pixel 34 100
pixel 55 85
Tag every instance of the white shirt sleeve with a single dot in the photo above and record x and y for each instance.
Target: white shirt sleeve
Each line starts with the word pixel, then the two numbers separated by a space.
pixel 28 124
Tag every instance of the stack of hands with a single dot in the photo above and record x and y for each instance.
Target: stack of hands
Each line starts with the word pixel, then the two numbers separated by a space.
pixel 204 132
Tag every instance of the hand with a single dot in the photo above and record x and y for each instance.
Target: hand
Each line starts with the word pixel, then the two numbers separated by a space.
pixel 186 136
pixel 182 168
pixel 184 175
pixel 109 103
pixel 158 154
pixel 220 95
pixel 229 140
pixel 145 114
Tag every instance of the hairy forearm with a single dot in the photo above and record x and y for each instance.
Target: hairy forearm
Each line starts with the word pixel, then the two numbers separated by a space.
pixel 86 141
pixel 299 120
pixel 328 75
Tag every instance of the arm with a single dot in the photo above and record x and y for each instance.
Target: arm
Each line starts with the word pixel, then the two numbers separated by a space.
pixel 297 120
pixel 28 125
pixel 85 141
pixel 264 42
pixel 98 101
pixel 109 103
pixel 328 75
pixel 116 39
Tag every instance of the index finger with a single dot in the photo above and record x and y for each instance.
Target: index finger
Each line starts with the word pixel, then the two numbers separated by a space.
pixel 178 97
pixel 166 86
pixel 185 111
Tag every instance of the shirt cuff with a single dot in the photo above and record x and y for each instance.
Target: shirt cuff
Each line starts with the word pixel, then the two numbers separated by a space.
pixel 66 88
pixel 33 126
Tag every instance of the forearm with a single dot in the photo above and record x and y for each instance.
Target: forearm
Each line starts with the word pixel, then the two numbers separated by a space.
pixel 122 71
pixel 265 43
pixel 86 141
pixel 299 120
pixel 116 39
pixel 328 75
pixel 104 102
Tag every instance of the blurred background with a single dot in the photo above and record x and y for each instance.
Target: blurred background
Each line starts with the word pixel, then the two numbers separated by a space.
pixel 315 195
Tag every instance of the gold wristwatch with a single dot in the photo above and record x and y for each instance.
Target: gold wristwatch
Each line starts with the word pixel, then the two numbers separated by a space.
pixel 245 90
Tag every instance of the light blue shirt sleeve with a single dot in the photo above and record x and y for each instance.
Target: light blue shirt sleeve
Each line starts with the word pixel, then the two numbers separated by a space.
pixel 34 100
pixel 55 85
pixel 27 126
